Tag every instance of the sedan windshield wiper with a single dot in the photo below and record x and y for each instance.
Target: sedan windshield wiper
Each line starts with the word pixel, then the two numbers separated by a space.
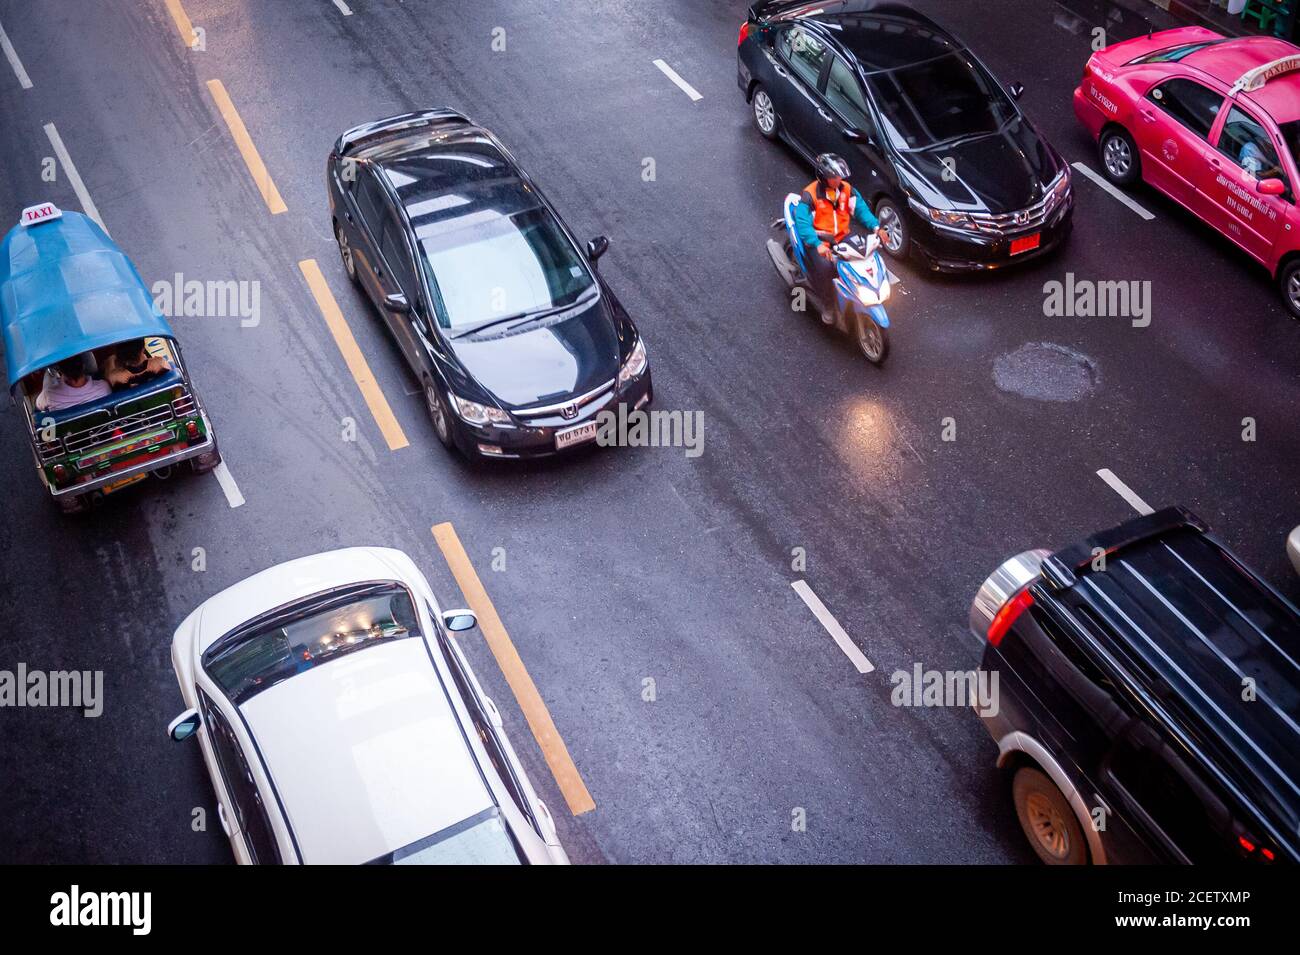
pixel 521 318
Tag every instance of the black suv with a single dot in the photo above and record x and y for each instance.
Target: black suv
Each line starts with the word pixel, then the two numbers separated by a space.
pixel 1148 698
pixel 951 166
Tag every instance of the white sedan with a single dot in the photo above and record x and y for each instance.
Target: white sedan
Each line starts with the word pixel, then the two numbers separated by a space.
pixel 341 723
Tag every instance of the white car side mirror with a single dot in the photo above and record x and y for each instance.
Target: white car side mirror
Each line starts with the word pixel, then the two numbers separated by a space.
pixel 458 620
pixel 185 725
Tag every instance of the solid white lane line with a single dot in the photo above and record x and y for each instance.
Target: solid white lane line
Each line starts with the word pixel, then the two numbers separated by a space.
pixel 682 85
pixel 1126 492
pixel 79 187
pixel 11 55
pixel 343 8
pixel 1100 180
pixel 228 485
pixel 827 620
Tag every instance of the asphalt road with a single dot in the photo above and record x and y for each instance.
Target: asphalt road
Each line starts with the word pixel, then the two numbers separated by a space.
pixel 620 566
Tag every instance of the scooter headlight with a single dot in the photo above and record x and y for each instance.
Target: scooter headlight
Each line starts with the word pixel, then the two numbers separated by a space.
pixel 868 297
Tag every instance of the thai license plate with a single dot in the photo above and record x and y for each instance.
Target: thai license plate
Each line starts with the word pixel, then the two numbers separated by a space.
pixel 1026 243
pixel 112 486
pixel 577 435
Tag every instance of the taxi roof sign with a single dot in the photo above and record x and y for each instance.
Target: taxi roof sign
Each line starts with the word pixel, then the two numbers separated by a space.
pixel 1255 79
pixel 43 212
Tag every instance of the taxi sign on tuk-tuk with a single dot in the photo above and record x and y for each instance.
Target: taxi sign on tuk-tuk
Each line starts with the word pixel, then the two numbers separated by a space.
pixel 67 290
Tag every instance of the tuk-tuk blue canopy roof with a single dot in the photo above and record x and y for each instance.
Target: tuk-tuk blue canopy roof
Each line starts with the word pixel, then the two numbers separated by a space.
pixel 66 288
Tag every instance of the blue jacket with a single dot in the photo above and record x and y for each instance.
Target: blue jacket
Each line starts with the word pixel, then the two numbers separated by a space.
pixel 803 219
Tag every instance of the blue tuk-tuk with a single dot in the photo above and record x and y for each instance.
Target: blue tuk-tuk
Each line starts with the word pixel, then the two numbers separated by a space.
pixel 69 300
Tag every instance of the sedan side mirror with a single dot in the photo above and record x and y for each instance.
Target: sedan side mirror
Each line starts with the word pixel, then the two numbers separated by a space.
pixel 1016 90
pixel 185 725
pixel 597 247
pixel 458 620
pixel 397 303
pixel 1270 187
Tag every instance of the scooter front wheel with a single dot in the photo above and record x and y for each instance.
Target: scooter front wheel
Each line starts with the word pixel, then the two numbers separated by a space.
pixel 872 339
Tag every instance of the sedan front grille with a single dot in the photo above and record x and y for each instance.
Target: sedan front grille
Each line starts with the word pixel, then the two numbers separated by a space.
pixel 558 409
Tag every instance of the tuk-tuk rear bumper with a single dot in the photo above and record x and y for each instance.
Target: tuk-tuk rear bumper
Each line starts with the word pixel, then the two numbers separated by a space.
pixel 153 464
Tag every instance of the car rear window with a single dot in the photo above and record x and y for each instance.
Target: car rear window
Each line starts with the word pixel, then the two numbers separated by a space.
pixel 308 635
pixel 938 101
pixel 483 839
pixel 1172 54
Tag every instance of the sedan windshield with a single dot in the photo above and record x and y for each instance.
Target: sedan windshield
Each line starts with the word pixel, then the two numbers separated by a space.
pixel 939 101
pixel 510 266
pixel 310 634
pixel 479 840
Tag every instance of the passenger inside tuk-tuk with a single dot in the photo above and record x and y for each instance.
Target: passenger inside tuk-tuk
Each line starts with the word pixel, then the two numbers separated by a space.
pixel 69 383
pixel 131 364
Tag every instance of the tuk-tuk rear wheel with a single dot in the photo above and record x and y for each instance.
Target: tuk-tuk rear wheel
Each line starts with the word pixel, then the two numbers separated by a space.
pixel 73 503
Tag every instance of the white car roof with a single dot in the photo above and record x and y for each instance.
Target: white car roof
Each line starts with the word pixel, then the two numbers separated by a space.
pixel 296 579
pixel 366 753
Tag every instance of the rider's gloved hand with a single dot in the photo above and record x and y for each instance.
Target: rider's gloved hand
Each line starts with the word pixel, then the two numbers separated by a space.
pixel 824 250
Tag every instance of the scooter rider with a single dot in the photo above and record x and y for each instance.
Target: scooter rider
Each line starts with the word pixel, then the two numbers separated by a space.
pixel 826 212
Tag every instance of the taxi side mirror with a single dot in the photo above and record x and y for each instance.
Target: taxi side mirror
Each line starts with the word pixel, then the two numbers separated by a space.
pixel 185 725
pixel 458 620
pixel 1016 90
pixel 1270 187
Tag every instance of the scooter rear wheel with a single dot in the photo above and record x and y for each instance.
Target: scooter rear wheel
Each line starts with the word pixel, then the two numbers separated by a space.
pixel 872 339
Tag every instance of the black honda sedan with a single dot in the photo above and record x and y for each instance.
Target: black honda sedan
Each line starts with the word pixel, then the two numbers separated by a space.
pixel 515 338
pixel 953 169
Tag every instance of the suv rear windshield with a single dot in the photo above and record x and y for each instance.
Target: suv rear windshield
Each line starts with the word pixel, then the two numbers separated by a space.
pixel 310 634
pixel 940 101
pixel 511 265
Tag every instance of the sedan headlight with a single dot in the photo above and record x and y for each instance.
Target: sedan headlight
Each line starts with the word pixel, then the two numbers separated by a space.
pixel 475 413
pixel 635 364
pixel 945 218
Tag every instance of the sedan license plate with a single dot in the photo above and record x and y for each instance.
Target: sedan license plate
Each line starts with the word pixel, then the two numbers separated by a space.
pixel 576 435
pixel 1026 243
pixel 112 486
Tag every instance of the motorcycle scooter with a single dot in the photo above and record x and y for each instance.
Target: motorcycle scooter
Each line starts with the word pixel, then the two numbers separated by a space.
pixel 862 283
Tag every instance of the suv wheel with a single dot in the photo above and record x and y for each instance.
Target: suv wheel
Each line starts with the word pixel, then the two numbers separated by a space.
pixel 765 117
pixel 1289 280
pixel 1047 819
pixel 1119 157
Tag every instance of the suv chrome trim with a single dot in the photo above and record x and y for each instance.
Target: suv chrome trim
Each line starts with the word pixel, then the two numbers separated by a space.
pixel 1010 578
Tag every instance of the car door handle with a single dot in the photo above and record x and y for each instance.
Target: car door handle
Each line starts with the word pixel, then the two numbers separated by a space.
pixel 347 215
pixel 1149 117
pixel 221 817
pixel 781 72
pixel 825 115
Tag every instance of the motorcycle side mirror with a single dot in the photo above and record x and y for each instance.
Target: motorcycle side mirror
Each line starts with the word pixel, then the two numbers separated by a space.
pixel 1270 187
pixel 397 303
pixel 597 247
pixel 1016 90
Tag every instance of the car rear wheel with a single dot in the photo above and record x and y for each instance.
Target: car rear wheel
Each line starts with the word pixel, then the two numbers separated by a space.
pixel 439 414
pixel 345 252
pixel 1119 157
pixel 1289 279
pixel 1047 819
pixel 765 117
pixel 898 241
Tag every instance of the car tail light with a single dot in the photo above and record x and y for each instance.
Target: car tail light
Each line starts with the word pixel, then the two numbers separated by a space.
pixel 744 33
pixel 1005 617
pixel 60 474
pixel 192 429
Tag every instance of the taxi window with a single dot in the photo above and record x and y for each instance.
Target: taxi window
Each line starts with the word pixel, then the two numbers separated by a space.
pixel 1248 144
pixel 805 52
pixel 1193 105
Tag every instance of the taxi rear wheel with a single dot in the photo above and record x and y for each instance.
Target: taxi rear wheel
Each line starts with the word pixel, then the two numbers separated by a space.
pixel 345 252
pixel 1289 279
pixel 1119 157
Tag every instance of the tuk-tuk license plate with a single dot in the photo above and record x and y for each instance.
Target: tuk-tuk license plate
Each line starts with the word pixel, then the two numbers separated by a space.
pixel 112 486
pixel 583 432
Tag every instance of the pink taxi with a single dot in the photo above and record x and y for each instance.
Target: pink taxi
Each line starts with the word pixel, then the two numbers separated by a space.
pixel 1212 122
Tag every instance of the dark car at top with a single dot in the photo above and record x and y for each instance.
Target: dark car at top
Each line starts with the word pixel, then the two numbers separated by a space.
pixel 954 170
pixel 516 340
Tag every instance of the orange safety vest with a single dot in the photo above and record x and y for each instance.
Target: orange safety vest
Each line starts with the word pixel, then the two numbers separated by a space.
pixel 831 217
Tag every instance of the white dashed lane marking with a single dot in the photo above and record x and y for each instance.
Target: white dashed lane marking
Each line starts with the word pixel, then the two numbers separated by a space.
pixel 1100 180
pixel 1126 492
pixel 11 55
pixel 681 84
pixel 827 620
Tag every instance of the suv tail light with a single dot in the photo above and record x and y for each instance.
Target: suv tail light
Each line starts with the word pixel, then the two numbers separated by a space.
pixel 1006 616
pixel 744 33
